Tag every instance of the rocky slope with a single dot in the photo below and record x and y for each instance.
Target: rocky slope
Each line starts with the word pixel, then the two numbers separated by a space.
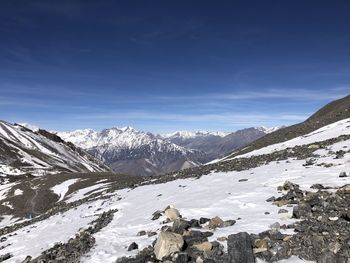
pixel 332 112
pixel 24 151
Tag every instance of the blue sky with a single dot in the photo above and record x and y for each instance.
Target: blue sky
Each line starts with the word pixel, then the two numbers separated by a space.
pixel 162 66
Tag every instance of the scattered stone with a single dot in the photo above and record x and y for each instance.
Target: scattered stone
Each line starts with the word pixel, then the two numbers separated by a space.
pixel 215 223
pixel 339 154
pixel 242 180
pixel 228 223
pixel 205 246
pixel 156 215
pixel 27 259
pixel 275 226
pixel 196 237
pixel 151 233
pixel 133 246
pixel 282 211
pixel 5 257
pixel 240 248
pixel 334 218
pixel 167 244
pixel 203 220
pixel 343 174
pixel 271 199
pixel 141 233
pixel 301 210
pixel 222 239
pixel 180 226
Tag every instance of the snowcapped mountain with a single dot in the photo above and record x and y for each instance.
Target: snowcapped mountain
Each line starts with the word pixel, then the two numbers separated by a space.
pixel 25 151
pixel 217 144
pixel 127 150
pixel 190 134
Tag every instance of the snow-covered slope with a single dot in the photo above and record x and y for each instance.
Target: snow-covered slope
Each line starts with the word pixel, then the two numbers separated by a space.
pixel 222 194
pixel 130 151
pixel 327 132
pixel 24 151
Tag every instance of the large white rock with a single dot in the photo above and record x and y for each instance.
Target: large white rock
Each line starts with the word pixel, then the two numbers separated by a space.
pixel 172 214
pixel 167 244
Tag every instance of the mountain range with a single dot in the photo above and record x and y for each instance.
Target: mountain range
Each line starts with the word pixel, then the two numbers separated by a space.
pixel 129 151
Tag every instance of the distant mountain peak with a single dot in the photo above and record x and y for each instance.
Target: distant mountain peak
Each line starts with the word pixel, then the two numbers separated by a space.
pixel 193 134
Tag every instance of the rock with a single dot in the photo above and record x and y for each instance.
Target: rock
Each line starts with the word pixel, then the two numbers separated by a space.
pixel 195 223
pixel 270 199
pixel 275 226
pixel 156 215
pixel 261 244
pixel 167 244
pixel 180 225
pixel 345 188
pixel 133 246
pixel 343 174
pixel 301 210
pixel 27 259
pixel 203 220
pixel 222 239
pixel 333 218
pixel 313 146
pixel 242 180
pixel 205 246
pixel 282 211
pixel 196 237
pixel 240 248
pixel 141 233
pixel 172 214
pixel 151 233
pixel 216 222
pixel 317 186
pixel 181 258
pixel 228 223
pixel 339 154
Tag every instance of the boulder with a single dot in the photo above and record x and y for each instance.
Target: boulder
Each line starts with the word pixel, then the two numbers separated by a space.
pixel 172 214
pixel 205 246
pixel 133 246
pixel 301 210
pixel 240 248
pixel 180 226
pixel 343 174
pixel 216 222
pixel 167 244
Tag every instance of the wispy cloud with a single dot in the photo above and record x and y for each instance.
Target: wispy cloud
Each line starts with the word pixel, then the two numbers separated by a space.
pixel 294 94
pixel 225 118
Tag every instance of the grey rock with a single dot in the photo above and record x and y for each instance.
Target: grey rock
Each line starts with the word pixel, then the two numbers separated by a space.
pixel 240 248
